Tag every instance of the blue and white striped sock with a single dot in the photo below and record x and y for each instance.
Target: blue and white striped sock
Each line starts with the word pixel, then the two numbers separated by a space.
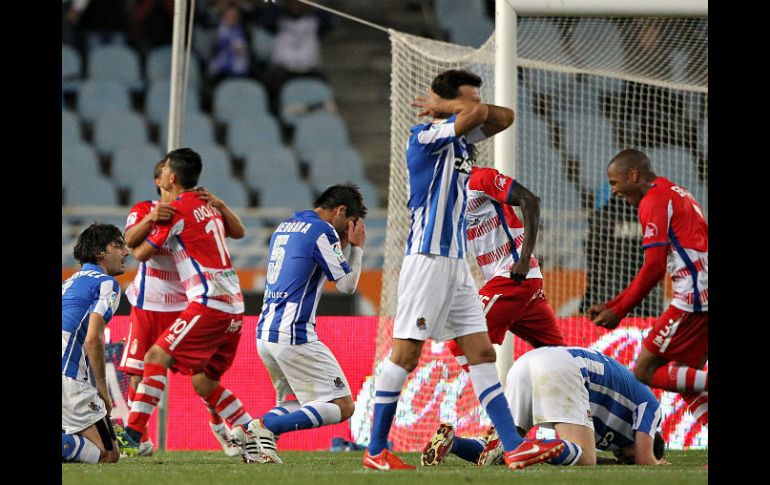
pixel 487 387
pixel 283 409
pixel 76 448
pixel 469 449
pixel 569 456
pixel 311 415
pixel 386 394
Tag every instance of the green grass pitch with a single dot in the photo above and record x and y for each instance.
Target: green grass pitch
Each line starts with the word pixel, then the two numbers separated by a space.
pixel 320 468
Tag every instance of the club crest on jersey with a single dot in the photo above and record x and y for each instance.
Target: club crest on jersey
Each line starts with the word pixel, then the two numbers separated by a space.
pixel 93 406
pixel 421 323
pixel 651 230
pixel 464 164
pixel 131 219
pixel 500 182
pixel 338 383
pixel 235 326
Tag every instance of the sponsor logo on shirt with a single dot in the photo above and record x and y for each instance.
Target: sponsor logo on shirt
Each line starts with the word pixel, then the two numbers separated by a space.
pixel 235 326
pixel 337 250
pixel 464 164
pixel 651 230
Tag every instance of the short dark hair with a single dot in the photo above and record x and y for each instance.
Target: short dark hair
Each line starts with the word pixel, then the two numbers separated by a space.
pixel 93 241
pixel 156 171
pixel 186 164
pixel 447 84
pixel 631 158
pixel 658 446
pixel 347 194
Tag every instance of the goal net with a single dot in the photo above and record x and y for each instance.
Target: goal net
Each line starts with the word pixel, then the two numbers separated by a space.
pixel 587 88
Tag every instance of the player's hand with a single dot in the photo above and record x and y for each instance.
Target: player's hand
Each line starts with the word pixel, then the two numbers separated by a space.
pixel 162 212
pixel 607 319
pixel 356 233
pixel 430 105
pixel 520 269
pixel 107 402
pixel 595 310
pixel 211 199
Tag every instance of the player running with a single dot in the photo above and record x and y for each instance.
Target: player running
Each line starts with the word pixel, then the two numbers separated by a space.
pixel 591 400
pixel 89 298
pixel 512 296
pixel 675 240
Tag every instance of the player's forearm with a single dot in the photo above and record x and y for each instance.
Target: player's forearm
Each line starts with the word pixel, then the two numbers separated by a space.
pixel 470 114
pixel 234 227
pixel 643 452
pixel 530 212
pixel 653 270
pixel 498 119
pixel 348 283
pixel 143 252
pixel 138 232
pixel 95 349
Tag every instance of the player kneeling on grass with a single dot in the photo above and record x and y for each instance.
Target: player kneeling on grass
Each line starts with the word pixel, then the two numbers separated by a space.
pixel 305 251
pixel 591 400
pixel 88 300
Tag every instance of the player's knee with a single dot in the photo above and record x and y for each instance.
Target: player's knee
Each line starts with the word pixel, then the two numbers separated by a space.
pixel 203 385
pixel 111 456
pixel 485 355
pixel 347 408
pixel 643 374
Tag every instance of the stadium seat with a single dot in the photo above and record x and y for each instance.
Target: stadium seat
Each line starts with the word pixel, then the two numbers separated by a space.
pixel 91 191
pixel 703 137
pixel 97 97
pixel 541 39
pixel 253 132
pixel 271 166
pixel 70 127
pixel 292 193
pixel 115 63
pixel 203 41
pixel 158 66
pixel 78 162
pixel 132 167
pixel 449 11
pixel 598 44
pixel 333 166
pixel 225 187
pixel 233 97
pixel 589 138
pixel 675 163
pixel 216 161
pixel 157 100
pixel 197 130
pixel 471 32
pixel 262 44
pixel 116 129
pixel 369 193
pixel 319 131
pixel 300 96
pixel 71 67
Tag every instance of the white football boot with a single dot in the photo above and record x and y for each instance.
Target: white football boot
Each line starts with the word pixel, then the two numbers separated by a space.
pixel 248 448
pixel 267 441
pixel 223 437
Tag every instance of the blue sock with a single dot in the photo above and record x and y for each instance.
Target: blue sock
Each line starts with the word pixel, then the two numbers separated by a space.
pixel 69 447
pixel 490 393
pixel 291 422
pixel 468 449
pixel 278 411
pixel 76 448
pixel 387 392
pixel 568 456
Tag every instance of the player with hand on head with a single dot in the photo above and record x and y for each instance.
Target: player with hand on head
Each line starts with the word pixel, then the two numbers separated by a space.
pixel 305 251
pixel 157 296
pixel 437 297
pixel 591 400
pixel 89 298
pixel 512 297
pixel 675 240
pixel 203 340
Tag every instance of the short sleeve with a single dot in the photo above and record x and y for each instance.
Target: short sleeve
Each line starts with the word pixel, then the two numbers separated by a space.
pixel 647 417
pixel 654 217
pixel 494 184
pixel 161 233
pixel 432 137
pixel 107 299
pixel 327 253
pixel 137 213
pixel 476 135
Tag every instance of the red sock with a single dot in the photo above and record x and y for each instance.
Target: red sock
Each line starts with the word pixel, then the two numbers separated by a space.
pixel 148 394
pixel 213 416
pixel 228 407
pixel 698 404
pixel 131 397
pixel 680 378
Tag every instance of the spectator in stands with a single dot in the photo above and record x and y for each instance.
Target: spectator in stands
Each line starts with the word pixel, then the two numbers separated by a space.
pixel 231 46
pixel 152 23
pixel 298 29
pixel 96 22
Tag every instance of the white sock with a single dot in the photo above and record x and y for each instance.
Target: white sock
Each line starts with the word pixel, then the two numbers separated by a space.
pixel 330 413
pixel 392 377
pixel 89 452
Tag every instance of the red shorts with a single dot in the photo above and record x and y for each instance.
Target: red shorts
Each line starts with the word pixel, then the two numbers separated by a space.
pixel 520 307
pixel 202 340
pixel 680 336
pixel 145 327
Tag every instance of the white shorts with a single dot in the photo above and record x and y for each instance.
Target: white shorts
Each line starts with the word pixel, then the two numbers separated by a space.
pixel 544 386
pixel 309 371
pixel 437 298
pixel 81 406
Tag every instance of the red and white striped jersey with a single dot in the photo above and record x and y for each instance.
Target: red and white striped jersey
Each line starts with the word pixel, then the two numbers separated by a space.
pixel 494 232
pixel 195 237
pixel 156 286
pixel 670 216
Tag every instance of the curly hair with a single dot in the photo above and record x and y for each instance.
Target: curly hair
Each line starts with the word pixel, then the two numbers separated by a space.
pixel 93 241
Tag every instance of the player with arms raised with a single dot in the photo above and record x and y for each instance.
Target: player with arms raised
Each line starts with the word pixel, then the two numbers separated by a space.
pixel 675 240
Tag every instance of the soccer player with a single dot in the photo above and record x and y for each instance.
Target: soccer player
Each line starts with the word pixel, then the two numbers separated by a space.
pixel 203 340
pixel 591 400
pixel 512 296
pixel 437 296
pixel 88 300
pixel 305 251
pixel 157 296
pixel 675 239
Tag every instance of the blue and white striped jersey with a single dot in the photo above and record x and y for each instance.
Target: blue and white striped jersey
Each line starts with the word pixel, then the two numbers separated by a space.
pixel 620 404
pixel 303 250
pixel 88 291
pixel 439 165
